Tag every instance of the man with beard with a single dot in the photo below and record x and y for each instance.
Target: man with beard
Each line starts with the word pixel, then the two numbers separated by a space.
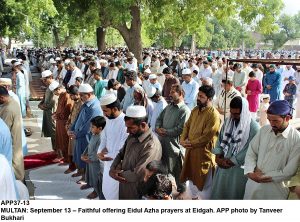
pixel 272 83
pixel 77 103
pixel 273 155
pixel 48 105
pixel 169 126
pixel 169 82
pixel 146 82
pixel 10 113
pixel 112 141
pixel 140 148
pixel 199 136
pixel 80 129
pixel 238 130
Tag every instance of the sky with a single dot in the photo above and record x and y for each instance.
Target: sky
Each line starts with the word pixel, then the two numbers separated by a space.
pixel 291 7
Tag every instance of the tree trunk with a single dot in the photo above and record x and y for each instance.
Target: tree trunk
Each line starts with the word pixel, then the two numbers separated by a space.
pixel 56 38
pixel 193 44
pixel 67 40
pixel 9 44
pixel 101 33
pixel 132 36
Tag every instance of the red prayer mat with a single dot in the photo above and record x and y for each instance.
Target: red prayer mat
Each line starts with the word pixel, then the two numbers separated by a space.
pixel 41 159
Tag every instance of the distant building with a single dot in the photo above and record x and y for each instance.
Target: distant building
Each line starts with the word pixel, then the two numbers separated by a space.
pixel 260 44
pixel 259 41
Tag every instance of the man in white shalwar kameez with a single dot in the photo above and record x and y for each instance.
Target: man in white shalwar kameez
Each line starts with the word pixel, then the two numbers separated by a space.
pixel 112 140
pixel 273 155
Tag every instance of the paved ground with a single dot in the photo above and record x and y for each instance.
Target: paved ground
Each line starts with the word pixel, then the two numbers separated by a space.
pixel 48 182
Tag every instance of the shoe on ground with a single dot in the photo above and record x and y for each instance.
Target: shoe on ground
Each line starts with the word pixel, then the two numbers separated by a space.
pixel 81 181
pixel 85 186
pixel 69 170
pixel 92 195
pixel 78 174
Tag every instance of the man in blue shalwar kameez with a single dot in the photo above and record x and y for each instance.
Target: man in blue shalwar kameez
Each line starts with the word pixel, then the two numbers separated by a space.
pixel 272 83
pixel 81 127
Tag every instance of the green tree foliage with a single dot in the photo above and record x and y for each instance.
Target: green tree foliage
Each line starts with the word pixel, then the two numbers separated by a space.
pixel 188 17
pixel 289 29
pixel 140 22
pixel 20 19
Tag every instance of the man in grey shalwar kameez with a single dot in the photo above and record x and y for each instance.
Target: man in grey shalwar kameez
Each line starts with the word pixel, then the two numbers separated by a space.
pixel 140 148
pixel 48 105
pixel 169 126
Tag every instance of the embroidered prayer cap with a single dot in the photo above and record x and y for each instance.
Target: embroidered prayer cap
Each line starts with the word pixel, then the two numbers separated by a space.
pixel 153 76
pixel 151 91
pixel 136 112
pixel 292 78
pixel 5 82
pixel 147 71
pixel 108 99
pixel 280 107
pixel 53 85
pixel 57 59
pixel 272 66
pixel 85 88
pixel 46 73
pixel 186 72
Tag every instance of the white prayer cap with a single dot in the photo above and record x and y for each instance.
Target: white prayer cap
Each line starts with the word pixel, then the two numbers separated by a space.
pixel 208 80
pixel 85 88
pixel 46 73
pixel 53 85
pixel 103 61
pixel 17 64
pixel 5 81
pixel 57 59
pixel 52 61
pixel 153 76
pixel 186 72
pixel 147 71
pixel 136 112
pixel 151 91
pixel 214 66
pixel 229 78
pixel 108 99
pixel 264 96
pixel 67 61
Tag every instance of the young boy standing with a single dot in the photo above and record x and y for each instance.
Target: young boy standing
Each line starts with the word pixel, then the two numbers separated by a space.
pixel 94 166
pixel 290 91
